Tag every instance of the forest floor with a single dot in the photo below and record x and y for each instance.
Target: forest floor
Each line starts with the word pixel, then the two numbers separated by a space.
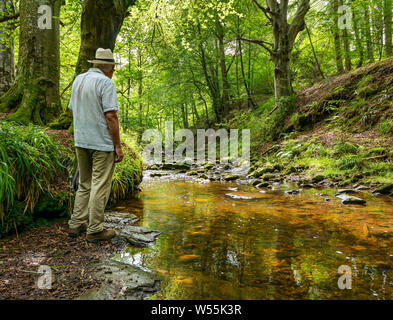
pixel 70 259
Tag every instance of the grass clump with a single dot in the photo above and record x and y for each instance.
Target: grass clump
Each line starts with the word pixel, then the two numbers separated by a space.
pixel 128 173
pixel 29 161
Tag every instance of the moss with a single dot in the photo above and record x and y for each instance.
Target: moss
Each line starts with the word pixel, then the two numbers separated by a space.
pixel 231 177
pixel 192 173
pixel 209 166
pixel 268 176
pixel 64 121
pixel 11 98
pixel 318 178
pixel 385 189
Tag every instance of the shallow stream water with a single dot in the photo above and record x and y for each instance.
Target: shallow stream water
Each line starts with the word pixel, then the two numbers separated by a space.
pixel 227 241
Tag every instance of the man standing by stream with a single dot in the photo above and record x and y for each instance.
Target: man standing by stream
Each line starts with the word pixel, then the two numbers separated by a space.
pixel 97 141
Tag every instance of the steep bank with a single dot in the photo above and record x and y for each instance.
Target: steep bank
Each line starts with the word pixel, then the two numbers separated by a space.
pixel 337 133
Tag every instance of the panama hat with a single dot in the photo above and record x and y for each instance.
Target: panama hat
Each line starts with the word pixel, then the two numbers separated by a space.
pixel 103 56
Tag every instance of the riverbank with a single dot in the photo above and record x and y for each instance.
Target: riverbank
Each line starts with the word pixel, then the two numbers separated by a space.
pixel 71 261
pixel 337 133
pixel 35 169
pixel 77 266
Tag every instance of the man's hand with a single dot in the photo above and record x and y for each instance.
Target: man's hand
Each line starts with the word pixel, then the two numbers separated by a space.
pixel 119 155
pixel 113 125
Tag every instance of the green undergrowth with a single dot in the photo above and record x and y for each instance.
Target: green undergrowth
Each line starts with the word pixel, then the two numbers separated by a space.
pixel 264 124
pixel 128 173
pixel 30 162
pixel 344 162
pixel 356 103
pixel 33 166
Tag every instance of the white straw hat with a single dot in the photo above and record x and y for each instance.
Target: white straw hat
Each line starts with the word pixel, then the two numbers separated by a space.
pixel 103 56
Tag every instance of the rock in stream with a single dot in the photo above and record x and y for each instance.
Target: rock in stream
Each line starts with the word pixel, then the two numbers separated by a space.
pixel 345 199
pixel 121 281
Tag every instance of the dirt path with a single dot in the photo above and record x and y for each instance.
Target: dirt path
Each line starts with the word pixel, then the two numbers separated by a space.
pixel 70 260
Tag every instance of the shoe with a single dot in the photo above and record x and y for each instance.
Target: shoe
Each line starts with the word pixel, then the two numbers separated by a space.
pixel 74 232
pixel 104 235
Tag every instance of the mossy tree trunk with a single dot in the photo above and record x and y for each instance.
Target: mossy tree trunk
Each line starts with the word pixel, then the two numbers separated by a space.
pixel 34 97
pixel 284 35
pixel 100 24
pixel 337 38
pixel 388 27
pixel 7 67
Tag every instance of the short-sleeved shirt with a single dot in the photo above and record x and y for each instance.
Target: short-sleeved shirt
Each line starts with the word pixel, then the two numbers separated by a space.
pixel 92 94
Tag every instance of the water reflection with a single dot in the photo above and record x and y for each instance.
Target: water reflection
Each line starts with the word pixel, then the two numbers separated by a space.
pixel 273 246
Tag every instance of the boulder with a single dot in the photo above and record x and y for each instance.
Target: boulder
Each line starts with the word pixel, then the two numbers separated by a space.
pixel 232 177
pixel 255 182
pixel 268 176
pixel 307 185
pixel 385 189
pixel 346 191
pixel 192 173
pixel 318 178
pixel 345 199
pixel 263 185
pixel 121 281
pixel 293 191
pixel 139 236
pixel 209 166
pixel 118 220
pixel 362 188
pixel 238 197
pixel 203 176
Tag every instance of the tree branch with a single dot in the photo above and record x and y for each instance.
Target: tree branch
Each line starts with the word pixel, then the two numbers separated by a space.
pixel 266 11
pixel 7 18
pixel 297 24
pixel 262 43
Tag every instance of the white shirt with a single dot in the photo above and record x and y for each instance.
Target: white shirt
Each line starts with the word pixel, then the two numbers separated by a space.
pixel 92 94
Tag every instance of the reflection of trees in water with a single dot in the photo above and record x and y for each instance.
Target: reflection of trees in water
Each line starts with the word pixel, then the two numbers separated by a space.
pixel 282 275
pixel 245 255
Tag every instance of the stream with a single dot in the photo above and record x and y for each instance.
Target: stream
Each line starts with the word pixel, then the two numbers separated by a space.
pixel 229 240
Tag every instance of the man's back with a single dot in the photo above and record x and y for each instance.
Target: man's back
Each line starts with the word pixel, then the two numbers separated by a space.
pixel 92 95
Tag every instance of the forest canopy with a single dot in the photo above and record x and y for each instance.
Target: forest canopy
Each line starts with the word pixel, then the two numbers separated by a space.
pixel 195 63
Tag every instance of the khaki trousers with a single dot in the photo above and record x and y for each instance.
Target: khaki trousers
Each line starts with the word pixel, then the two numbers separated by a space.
pixel 95 180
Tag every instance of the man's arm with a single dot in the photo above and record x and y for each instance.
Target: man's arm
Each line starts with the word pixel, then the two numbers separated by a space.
pixel 113 125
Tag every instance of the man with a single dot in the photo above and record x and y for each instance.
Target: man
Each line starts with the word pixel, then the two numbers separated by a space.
pixel 96 133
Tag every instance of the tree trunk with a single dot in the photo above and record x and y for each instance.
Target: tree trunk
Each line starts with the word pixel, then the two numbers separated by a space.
pixel 251 103
pixel 347 50
pixel 388 27
pixel 337 40
pixel 282 75
pixel 100 24
pixel 359 45
pixel 7 65
pixel 211 82
pixel 314 53
pixel 35 93
pixel 223 67
pixel 194 108
pixel 367 29
pixel 284 35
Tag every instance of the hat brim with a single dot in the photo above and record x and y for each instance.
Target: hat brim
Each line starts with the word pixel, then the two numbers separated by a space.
pixel 103 62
